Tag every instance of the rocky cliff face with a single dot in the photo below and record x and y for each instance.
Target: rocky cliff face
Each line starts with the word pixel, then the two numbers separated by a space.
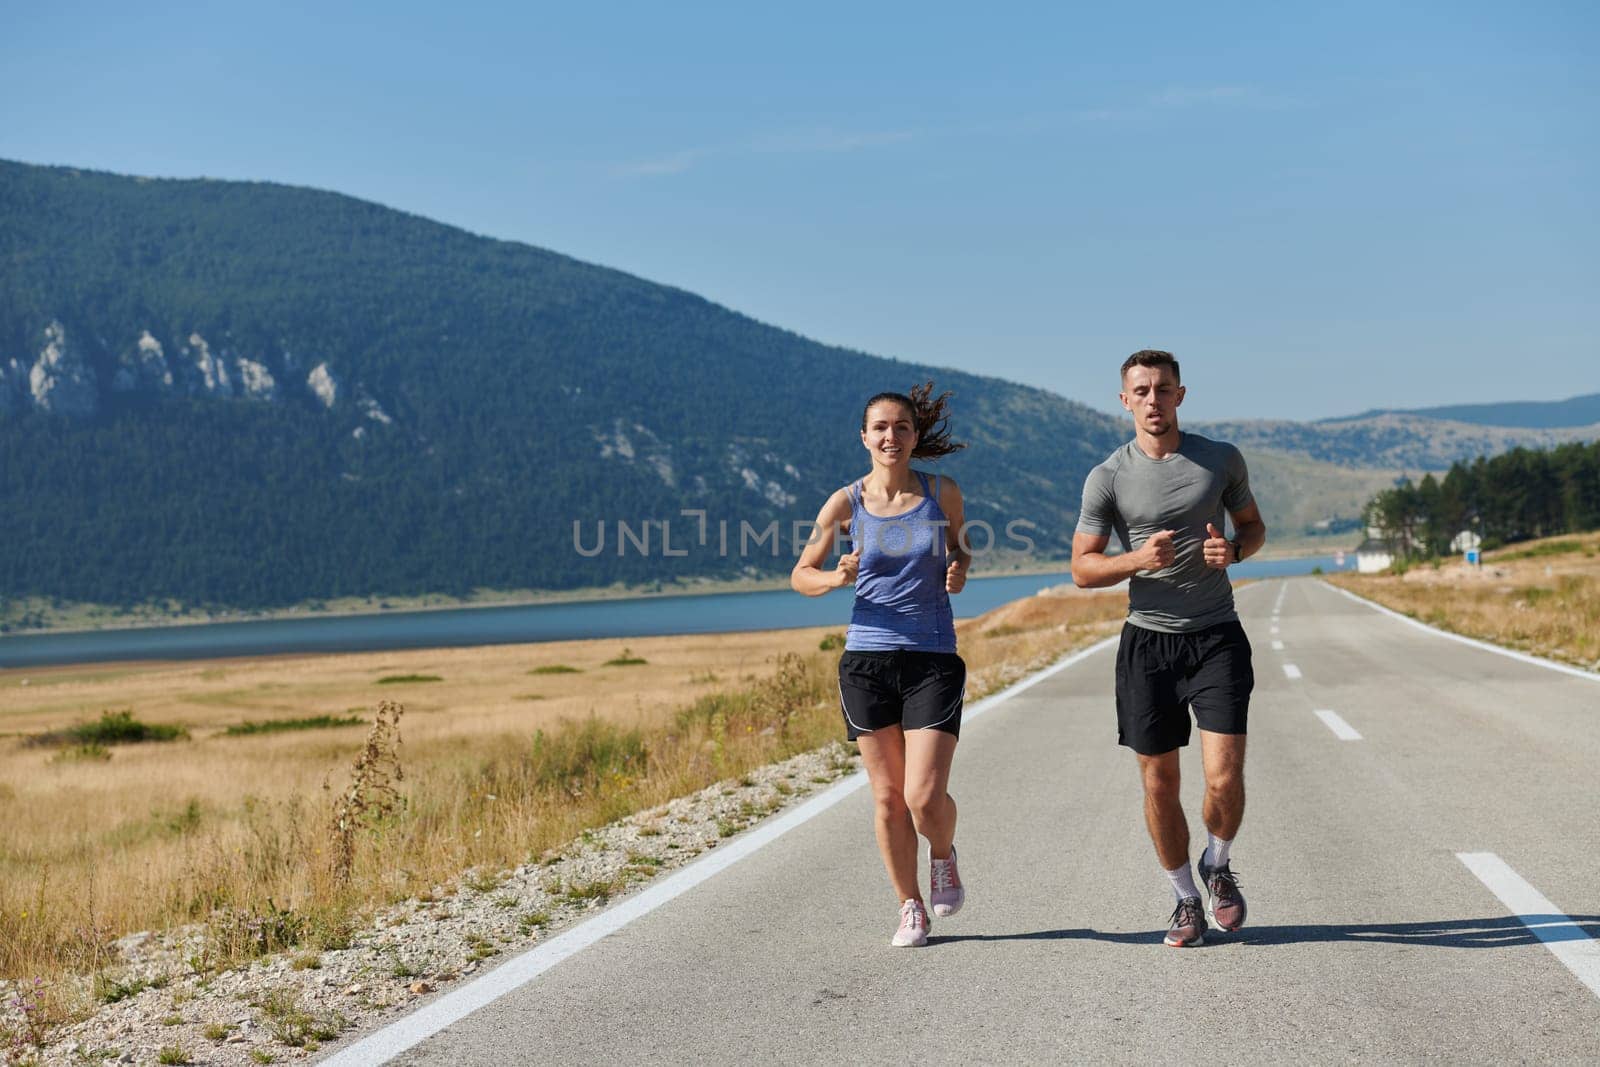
pixel 142 367
pixel 71 376
pixel 61 380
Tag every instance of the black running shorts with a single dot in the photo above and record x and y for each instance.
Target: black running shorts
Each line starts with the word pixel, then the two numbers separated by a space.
pixel 1161 676
pixel 914 690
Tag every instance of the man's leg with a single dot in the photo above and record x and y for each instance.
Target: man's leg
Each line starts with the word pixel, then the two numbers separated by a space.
pixel 1153 720
pixel 1223 757
pixel 1163 814
pixel 1169 831
pixel 1219 691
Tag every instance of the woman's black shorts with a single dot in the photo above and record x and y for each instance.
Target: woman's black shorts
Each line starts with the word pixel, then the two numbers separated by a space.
pixel 1160 676
pixel 914 690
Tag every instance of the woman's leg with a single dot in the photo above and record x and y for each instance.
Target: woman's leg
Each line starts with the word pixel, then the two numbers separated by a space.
pixel 927 775
pixel 883 753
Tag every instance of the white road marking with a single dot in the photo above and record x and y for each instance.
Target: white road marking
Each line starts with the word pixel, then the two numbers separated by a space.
pixel 1277 646
pixel 1274 628
pixel 1565 939
pixel 1335 722
pixel 1485 645
pixel 413 1029
pixel 1292 671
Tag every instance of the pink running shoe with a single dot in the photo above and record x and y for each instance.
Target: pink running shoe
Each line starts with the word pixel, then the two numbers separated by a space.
pixel 913 932
pixel 948 893
pixel 1227 902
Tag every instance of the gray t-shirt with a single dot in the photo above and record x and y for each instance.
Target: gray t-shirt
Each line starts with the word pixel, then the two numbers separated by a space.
pixel 1137 496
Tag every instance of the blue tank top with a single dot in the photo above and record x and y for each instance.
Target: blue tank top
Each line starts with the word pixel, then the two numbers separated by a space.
pixel 901 602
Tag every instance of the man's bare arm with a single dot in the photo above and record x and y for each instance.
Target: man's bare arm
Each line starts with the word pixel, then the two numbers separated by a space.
pixel 1249 530
pixel 1093 569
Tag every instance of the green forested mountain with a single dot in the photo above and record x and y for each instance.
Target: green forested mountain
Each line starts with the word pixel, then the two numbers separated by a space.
pixel 1523 414
pixel 246 394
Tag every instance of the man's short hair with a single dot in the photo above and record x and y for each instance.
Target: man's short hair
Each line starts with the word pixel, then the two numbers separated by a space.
pixel 1152 357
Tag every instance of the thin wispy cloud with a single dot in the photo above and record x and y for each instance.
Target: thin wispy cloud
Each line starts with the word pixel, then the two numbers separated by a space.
pixel 1105 114
pixel 1187 97
pixel 828 140
pixel 676 163
pixel 804 142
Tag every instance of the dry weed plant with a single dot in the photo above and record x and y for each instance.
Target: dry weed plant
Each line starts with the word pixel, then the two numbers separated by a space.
pixel 373 798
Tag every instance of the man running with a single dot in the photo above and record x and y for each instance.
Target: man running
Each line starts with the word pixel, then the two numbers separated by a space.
pixel 1164 493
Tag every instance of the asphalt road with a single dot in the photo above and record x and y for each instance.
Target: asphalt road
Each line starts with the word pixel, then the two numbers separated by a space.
pixel 1371 937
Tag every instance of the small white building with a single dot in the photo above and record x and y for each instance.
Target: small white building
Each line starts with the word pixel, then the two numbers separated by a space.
pixel 1373 554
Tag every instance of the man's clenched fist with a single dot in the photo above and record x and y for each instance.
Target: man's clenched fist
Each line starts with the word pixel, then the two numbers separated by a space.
pixel 1158 551
pixel 1218 550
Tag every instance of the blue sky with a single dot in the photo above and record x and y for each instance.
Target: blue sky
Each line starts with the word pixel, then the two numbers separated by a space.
pixel 1320 208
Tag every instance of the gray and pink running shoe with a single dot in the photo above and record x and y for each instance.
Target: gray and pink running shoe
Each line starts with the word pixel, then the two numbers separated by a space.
pixel 1227 903
pixel 948 893
pixel 913 932
pixel 1187 927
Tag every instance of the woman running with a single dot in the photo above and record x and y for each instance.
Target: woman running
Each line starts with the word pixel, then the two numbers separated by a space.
pixel 901 683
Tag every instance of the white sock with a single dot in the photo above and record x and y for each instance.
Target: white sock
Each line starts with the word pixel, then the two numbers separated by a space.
pixel 1182 879
pixel 1216 850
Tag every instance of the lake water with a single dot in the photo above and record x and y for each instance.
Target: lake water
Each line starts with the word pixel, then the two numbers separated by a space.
pixel 642 617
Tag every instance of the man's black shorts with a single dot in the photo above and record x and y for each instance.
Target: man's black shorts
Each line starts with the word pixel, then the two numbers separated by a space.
pixel 1160 676
pixel 914 690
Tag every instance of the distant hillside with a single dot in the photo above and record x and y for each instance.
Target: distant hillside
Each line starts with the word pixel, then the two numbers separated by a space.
pixel 248 395
pixel 1576 412
pixel 1392 440
pixel 251 395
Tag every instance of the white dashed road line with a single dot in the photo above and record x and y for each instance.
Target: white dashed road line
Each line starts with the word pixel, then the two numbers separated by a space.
pixel 1566 940
pixel 1277 646
pixel 1335 722
pixel 1291 671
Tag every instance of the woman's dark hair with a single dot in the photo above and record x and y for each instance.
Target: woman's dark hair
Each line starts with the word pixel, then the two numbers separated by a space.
pixel 930 417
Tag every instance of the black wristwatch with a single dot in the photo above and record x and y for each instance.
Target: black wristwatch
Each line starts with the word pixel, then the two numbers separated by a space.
pixel 1238 551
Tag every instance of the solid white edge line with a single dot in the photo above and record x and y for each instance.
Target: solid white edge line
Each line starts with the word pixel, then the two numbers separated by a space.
pixel 1335 722
pixel 1291 671
pixel 1565 939
pixel 1473 641
pixel 413 1029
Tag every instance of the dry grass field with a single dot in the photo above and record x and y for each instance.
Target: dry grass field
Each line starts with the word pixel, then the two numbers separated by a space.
pixel 504 753
pixel 1541 597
